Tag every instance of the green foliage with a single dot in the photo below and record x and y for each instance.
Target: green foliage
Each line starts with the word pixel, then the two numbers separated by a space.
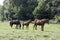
pixel 22 8
pixel 30 9
pixel 46 9
pixel 2 17
pixel 42 10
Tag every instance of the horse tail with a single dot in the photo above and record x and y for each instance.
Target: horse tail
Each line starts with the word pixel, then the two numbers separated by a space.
pixel 11 24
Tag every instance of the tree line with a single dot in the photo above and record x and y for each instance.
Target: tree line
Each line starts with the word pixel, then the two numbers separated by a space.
pixel 30 9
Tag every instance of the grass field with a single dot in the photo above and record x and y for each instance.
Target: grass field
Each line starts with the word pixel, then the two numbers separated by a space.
pixel 51 32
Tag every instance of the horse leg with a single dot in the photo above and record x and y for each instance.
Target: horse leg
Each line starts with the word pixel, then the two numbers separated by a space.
pixel 20 26
pixel 11 25
pixel 42 27
pixel 16 26
pixel 36 27
pixel 27 26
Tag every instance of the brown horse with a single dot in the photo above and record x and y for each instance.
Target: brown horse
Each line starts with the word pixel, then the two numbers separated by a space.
pixel 41 23
pixel 26 23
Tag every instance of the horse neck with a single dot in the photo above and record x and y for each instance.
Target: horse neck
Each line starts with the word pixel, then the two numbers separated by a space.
pixel 45 20
pixel 29 21
pixel 35 20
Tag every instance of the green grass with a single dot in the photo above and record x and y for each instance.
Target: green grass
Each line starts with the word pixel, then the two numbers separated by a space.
pixel 51 32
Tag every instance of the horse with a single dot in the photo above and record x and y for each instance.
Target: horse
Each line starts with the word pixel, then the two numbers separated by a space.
pixel 26 23
pixel 41 23
pixel 16 22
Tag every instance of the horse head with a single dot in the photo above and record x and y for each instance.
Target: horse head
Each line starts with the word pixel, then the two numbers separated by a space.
pixel 46 20
pixel 29 20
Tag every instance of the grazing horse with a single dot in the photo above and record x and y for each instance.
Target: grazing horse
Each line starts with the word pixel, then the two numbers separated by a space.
pixel 26 23
pixel 16 22
pixel 41 23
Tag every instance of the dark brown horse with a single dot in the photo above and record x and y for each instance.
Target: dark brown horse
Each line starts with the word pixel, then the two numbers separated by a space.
pixel 41 23
pixel 16 22
pixel 26 23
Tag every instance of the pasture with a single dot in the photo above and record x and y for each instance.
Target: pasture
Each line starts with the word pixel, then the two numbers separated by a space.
pixel 51 32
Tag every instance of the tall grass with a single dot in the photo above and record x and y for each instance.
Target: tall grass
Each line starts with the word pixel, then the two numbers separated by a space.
pixel 51 32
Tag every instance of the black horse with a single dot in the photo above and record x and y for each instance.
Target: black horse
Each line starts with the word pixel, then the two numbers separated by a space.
pixel 41 23
pixel 16 22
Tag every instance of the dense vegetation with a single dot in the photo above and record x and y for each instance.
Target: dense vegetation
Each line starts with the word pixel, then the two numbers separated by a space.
pixel 31 9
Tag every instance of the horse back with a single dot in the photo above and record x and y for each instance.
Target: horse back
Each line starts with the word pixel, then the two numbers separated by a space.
pixel 14 22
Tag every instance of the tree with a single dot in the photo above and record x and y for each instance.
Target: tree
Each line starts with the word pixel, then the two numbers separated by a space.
pixel 2 13
pixel 41 10
pixel 22 8
pixel 46 9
